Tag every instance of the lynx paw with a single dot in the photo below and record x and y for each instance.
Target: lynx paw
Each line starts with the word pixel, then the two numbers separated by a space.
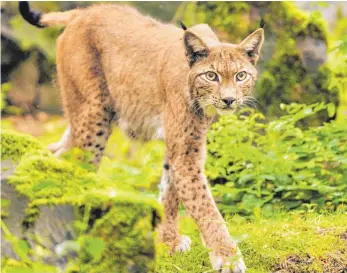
pixel 62 145
pixel 54 147
pixel 233 264
pixel 183 245
pixel 180 245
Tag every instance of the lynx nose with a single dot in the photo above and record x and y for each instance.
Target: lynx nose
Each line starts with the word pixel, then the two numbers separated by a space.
pixel 228 101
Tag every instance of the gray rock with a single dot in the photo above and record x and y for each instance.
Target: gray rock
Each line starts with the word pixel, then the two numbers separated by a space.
pixel 51 237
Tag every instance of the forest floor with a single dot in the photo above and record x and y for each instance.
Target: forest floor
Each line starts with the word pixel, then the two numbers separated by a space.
pixel 285 243
pixel 295 242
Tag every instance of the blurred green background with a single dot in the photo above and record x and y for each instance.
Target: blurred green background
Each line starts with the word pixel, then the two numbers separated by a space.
pixel 303 59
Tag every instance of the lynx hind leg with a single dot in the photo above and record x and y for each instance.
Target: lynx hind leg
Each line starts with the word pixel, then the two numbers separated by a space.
pixel 168 231
pixel 87 101
pixel 62 145
pixel 90 135
pixel 91 129
pixel 90 120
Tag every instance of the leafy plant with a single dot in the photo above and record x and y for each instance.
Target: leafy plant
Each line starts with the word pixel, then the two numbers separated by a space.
pixel 255 164
pixel 338 65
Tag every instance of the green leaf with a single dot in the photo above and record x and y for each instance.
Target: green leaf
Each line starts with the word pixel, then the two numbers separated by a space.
pixel 95 246
pixel 21 248
pixel 331 110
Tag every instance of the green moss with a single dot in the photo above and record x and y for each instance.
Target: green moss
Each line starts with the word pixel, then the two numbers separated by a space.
pixel 292 22
pixel 314 26
pixel 229 16
pixel 285 81
pixel 13 266
pixel 124 230
pixel 127 229
pixel 15 145
pixel 269 245
pixel 285 78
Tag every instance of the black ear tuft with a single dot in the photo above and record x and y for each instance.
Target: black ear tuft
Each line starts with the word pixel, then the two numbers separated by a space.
pixel 262 23
pixel 183 26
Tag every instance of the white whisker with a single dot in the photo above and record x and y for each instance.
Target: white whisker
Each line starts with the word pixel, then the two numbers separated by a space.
pixel 252 100
pixel 250 104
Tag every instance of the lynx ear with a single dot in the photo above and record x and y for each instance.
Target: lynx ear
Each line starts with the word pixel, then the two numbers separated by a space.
pixel 196 49
pixel 252 45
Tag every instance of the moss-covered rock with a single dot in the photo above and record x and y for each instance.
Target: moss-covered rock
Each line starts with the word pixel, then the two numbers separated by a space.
pixel 15 145
pixel 112 227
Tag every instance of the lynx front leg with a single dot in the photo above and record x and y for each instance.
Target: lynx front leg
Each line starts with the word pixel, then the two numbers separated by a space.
pixel 186 153
pixel 168 231
pixel 193 190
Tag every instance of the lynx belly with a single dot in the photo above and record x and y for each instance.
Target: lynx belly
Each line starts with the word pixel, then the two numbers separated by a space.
pixel 145 129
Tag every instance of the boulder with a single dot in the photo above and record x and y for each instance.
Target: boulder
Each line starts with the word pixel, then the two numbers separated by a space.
pixel 58 216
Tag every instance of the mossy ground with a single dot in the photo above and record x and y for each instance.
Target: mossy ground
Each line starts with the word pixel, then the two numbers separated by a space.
pixel 296 243
pixel 280 242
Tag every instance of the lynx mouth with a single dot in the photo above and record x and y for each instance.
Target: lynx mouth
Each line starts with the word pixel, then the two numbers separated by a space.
pixel 226 110
pixel 215 109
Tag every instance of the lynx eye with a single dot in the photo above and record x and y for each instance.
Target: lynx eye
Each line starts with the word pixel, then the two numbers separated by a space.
pixel 211 76
pixel 241 76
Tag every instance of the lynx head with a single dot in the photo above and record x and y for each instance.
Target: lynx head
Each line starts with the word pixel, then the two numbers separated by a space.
pixel 221 75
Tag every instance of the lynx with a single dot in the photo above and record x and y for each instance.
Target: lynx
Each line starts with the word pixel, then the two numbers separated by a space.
pixel 116 66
